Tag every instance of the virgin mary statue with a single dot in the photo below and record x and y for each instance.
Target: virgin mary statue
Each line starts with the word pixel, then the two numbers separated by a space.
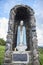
pixel 21 37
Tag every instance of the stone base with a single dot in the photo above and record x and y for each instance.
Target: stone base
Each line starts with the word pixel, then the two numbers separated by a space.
pixel 20 57
pixel 30 61
pixel 9 61
pixel 14 64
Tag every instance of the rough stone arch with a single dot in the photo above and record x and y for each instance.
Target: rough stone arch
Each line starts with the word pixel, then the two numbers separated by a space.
pixel 21 12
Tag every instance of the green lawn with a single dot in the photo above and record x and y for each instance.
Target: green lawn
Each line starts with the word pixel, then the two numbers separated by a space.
pixel 2 50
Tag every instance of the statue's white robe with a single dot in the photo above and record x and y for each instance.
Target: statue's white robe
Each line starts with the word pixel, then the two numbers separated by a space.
pixel 21 39
pixel 23 36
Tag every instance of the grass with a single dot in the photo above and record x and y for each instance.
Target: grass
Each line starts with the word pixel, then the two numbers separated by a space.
pixel 2 51
pixel 41 56
pixel 41 59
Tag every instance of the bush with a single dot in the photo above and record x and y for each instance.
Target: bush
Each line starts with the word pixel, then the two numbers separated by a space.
pixel 2 52
pixel 2 42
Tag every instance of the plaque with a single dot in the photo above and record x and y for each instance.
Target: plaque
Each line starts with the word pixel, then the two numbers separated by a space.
pixel 20 57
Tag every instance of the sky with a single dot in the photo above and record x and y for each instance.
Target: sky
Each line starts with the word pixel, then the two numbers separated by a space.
pixel 6 5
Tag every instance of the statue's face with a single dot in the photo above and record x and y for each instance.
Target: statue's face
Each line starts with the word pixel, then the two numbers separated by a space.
pixel 21 23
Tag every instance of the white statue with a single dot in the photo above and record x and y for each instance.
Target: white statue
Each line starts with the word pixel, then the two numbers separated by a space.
pixel 21 37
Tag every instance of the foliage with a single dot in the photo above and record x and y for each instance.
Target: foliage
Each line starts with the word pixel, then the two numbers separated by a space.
pixel 2 42
pixel 41 55
pixel 2 50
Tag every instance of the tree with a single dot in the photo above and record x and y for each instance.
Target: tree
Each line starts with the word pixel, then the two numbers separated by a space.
pixel 2 41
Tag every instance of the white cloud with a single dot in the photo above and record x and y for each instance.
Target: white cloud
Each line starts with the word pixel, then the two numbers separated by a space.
pixel 3 27
pixel 40 36
pixel 10 4
pixel 37 6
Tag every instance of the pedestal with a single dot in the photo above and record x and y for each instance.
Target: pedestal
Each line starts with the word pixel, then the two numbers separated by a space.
pixel 20 57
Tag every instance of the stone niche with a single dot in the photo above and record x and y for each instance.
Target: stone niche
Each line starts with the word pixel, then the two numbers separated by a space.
pixel 25 13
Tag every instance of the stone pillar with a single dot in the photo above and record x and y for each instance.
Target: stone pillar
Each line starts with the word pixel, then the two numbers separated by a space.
pixel 9 42
pixel 35 58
